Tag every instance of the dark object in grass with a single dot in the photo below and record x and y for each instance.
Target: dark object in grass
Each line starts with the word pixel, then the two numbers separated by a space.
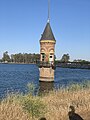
pixel 72 115
pixel 43 118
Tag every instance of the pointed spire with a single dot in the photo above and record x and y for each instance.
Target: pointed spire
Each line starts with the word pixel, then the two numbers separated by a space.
pixel 47 34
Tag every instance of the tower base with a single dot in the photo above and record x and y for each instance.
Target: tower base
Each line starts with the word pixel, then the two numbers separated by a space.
pixel 46 74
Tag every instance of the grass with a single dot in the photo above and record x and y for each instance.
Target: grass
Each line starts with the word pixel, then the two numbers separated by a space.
pixel 53 106
pixel 11 109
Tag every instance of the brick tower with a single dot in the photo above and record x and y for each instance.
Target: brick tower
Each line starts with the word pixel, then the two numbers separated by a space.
pixel 47 54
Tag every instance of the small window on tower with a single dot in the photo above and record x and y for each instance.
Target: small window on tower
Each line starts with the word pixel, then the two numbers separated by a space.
pixel 43 56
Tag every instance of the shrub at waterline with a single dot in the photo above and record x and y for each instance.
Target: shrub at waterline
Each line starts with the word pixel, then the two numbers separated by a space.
pixel 34 106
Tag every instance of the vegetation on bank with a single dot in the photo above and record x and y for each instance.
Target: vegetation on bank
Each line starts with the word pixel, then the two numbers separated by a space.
pixel 52 106
pixel 34 58
pixel 20 58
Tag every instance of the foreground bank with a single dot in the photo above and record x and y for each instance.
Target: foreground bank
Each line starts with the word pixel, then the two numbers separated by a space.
pixel 52 106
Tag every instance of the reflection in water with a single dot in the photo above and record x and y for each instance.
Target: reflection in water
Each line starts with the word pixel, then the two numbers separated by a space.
pixel 45 87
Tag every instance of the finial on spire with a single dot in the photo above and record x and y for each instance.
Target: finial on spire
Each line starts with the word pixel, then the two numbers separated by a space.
pixel 48 11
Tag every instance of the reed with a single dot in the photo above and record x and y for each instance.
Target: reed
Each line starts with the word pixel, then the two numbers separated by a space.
pixel 52 106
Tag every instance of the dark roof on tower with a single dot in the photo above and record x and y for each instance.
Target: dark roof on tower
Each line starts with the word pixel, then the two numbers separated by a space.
pixel 47 34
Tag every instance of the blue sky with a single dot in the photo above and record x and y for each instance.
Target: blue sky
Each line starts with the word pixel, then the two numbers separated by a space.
pixel 23 21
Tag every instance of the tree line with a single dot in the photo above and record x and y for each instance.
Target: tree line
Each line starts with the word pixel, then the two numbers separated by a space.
pixel 34 58
pixel 66 59
pixel 20 58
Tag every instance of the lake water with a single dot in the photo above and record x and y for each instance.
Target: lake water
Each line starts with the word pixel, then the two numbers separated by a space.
pixel 15 77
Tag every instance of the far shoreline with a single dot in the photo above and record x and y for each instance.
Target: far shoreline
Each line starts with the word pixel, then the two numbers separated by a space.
pixel 61 65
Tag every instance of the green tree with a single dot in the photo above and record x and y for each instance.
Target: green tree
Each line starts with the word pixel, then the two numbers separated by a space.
pixel 12 58
pixel 6 57
pixel 65 58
